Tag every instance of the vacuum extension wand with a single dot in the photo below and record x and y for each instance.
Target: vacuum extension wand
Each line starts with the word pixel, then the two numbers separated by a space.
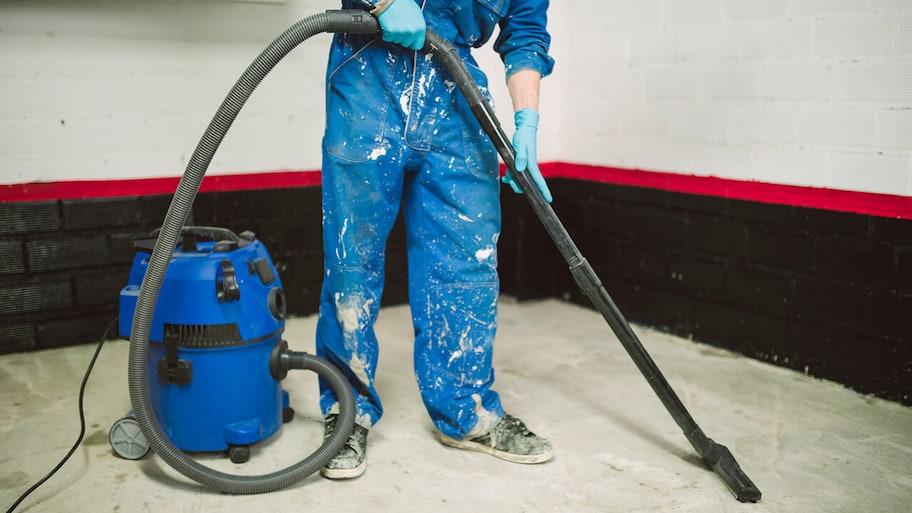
pixel 715 455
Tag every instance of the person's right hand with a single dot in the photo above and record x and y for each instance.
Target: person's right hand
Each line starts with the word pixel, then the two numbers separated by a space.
pixel 525 144
pixel 403 23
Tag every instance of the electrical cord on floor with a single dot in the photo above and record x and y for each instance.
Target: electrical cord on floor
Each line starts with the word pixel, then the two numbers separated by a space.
pixel 82 424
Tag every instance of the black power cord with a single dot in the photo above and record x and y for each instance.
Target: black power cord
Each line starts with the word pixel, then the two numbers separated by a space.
pixel 82 424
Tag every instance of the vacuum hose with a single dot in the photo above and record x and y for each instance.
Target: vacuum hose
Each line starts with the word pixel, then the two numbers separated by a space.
pixel 343 21
pixel 187 189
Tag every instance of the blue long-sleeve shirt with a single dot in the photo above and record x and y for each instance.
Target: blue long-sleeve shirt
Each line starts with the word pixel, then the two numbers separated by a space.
pixel 523 40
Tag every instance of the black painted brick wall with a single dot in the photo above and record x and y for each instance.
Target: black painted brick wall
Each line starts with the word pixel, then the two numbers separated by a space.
pixel 822 292
pixel 63 263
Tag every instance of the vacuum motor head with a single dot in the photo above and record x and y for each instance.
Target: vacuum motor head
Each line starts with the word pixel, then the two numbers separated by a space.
pixel 215 278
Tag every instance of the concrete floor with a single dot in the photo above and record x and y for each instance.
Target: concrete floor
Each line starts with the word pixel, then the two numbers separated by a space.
pixel 810 446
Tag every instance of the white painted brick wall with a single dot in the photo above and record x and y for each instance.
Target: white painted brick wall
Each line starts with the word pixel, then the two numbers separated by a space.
pixel 868 172
pixel 836 128
pixel 829 6
pixel 719 83
pixel 700 124
pixel 109 89
pixel 741 9
pixel 892 129
pixel 888 83
pixel 653 48
pixel 723 160
pixel 799 92
pixel 795 166
pixel 759 125
pixel 807 92
pixel 776 38
pixel 804 83
pixel 862 35
pixel 713 44
pixel 681 13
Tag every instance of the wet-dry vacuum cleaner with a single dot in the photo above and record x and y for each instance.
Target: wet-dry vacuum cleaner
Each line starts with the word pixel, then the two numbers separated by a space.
pixel 217 325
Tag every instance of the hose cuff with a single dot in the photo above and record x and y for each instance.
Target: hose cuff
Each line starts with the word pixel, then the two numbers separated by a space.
pixel 527 117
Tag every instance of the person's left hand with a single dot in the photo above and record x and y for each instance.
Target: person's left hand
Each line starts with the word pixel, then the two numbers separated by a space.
pixel 525 142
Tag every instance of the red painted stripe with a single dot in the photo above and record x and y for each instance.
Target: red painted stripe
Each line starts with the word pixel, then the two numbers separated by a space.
pixel 84 189
pixel 884 205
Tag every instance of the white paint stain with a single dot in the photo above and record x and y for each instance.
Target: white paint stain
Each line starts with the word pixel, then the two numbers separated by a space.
pixel 465 343
pixel 424 82
pixel 342 240
pixel 456 354
pixel 358 369
pixel 377 153
pixel 484 254
pixel 486 419
pixel 364 420
pixel 347 317
pixel 619 464
pixel 382 146
pixel 349 312
pixel 404 100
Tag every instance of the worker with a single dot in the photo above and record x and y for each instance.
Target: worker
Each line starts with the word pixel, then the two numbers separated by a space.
pixel 400 135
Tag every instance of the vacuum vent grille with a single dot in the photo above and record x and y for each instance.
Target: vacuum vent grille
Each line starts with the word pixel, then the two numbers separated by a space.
pixel 203 335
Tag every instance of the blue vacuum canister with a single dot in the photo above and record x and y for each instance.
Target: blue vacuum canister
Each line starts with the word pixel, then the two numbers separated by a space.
pixel 218 320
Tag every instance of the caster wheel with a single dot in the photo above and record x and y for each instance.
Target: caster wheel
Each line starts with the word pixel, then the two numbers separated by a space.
pixel 127 439
pixel 287 415
pixel 239 453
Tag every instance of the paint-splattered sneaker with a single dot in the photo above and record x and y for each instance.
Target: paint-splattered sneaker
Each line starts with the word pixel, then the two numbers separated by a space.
pixel 351 461
pixel 510 440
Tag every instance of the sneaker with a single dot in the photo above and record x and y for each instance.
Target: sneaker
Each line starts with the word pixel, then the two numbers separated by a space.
pixel 351 461
pixel 510 440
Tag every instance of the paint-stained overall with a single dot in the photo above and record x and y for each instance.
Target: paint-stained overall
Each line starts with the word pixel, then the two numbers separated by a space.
pixel 398 133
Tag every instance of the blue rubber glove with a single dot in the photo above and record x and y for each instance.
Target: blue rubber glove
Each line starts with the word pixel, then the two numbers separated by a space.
pixel 403 24
pixel 525 141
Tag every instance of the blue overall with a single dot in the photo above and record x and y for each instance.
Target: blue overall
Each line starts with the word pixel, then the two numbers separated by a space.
pixel 399 133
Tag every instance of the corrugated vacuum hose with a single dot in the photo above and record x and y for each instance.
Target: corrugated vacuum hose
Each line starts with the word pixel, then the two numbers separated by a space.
pixel 330 21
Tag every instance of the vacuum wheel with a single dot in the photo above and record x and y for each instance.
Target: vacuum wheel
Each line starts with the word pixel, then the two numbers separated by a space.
pixel 287 415
pixel 239 453
pixel 127 439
